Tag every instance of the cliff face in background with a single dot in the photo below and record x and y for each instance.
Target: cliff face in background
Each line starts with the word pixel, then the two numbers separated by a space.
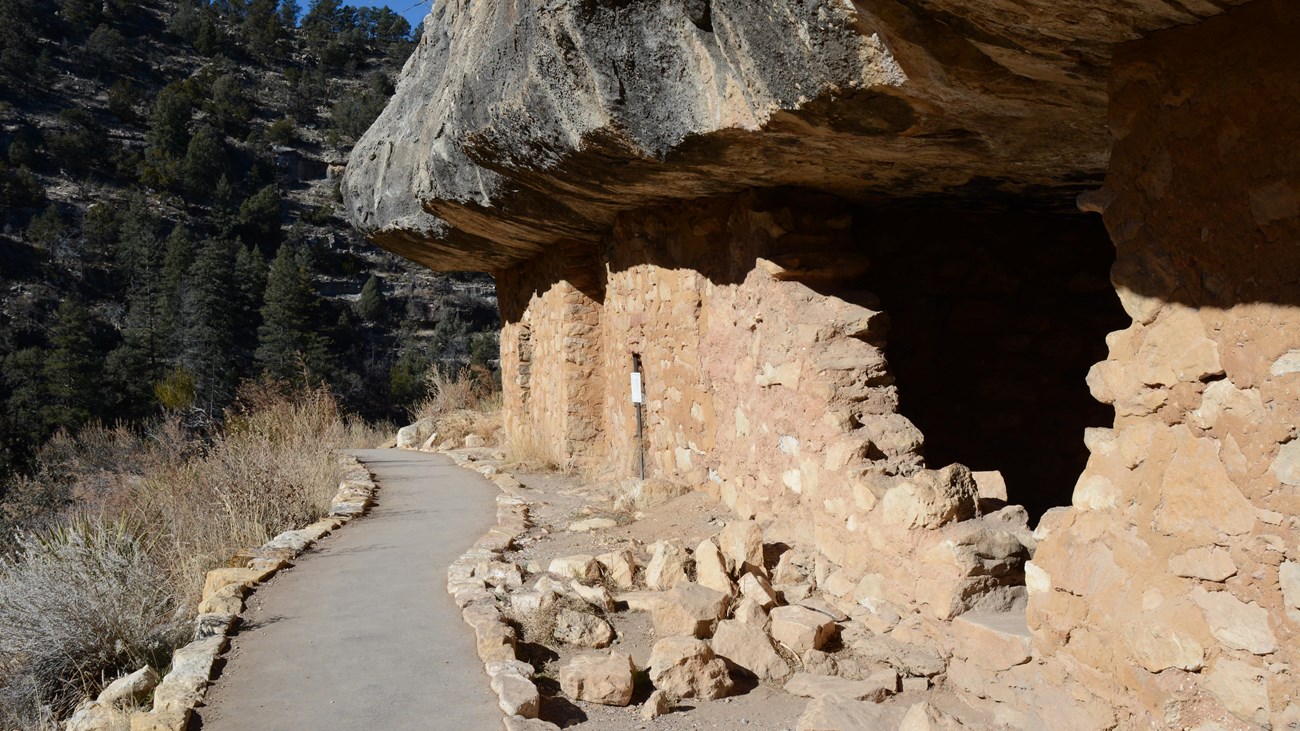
pixel 516 124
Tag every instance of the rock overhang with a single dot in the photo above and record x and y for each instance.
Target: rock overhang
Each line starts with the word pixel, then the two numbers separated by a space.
pixel 518 124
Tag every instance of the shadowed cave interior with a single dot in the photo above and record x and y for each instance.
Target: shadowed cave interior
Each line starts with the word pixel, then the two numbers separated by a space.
pixel 995 320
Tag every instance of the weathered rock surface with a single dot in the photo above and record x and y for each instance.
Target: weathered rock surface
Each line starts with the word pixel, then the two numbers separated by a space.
pixel 876 688
pixel 801 629
pixel 605 679
pixel 689 609
pixel 747 646
pixel 582 630
pixel 684 667
pixel 523 124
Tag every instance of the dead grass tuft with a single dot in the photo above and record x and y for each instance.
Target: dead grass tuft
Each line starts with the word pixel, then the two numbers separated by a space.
pixel 460 404
pixel 102 590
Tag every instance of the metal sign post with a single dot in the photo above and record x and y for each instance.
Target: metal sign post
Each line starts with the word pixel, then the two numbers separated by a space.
pixel 637 399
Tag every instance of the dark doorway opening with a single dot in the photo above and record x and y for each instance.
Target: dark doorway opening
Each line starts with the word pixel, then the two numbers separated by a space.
pixel 995 320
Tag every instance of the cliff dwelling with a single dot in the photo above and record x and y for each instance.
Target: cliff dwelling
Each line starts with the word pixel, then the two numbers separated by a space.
pixel 992 308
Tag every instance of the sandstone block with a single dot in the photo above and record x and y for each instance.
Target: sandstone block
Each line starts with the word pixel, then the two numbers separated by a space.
pixel 412 435
pixel 1209 562
pixel 656 705
pixel 741 543
pixel 474 441
pixel 925 717
pixel 990 485
pixel 516 695
pixel 582 630
pixel 905 657
pixel 604 679
pixel 519 723
pixel 98 716
pixel 684 667
pixel 651 492
pixel 1242 688
pixel 219 578
pixel 1289 577
pixel 748 647
pixel 619 567
pixel 750 612
pixel 580 567
pixel 930 499
pixel 757 589
pixel 711 569
pixel 801 629
pixel 816 662
pixel 667 566
pixel 838 714
pixel 184 684
pixel 1235 623
pixel 690 610
pixel 992 641
pixel 875 688
pixel 130 689
pixel 597 596
pixel 177 719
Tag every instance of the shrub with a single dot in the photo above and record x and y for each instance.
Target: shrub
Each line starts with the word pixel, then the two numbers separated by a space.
pixel 78 603
pixel 461 404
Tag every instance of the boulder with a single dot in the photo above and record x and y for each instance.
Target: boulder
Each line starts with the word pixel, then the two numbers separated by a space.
pixel 741 543
pixel 97 716
pixel 655 706
pixel 474 441
pixel 994 642
pixel 689 609
pixel 667 566
pixel 516 695
pixel 619 568
pixel 685 667
pixel 747 646
pixel 413 435
pixel 711 569
pixel 582 630
pixel 750 612
pixel 801 629
pixel 130 689
pixel 758 589
pixel 597 596
pixel 604 679
pixel 581 567
pixel 930 498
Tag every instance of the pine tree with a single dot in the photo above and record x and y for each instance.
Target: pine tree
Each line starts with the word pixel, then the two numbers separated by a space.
pixel 72 369
pixel 288 339
pixel 208 325
pixel 370 305
pixel 205 161
pixel 250 281
pixel 168 136
pixel 141 360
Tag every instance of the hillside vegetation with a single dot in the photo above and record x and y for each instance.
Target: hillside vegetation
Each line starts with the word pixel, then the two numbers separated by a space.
pixel 168 178
pixel 188 333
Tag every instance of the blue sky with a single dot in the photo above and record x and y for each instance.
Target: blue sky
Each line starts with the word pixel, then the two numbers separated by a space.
pixel 412 14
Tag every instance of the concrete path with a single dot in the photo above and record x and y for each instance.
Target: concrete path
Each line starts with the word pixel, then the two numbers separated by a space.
pixel 360 633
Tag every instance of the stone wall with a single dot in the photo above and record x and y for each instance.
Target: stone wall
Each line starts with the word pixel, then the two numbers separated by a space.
pixel 1172 586
pixel 766 384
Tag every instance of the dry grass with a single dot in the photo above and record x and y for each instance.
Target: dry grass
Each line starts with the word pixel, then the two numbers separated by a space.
pixel 101 590
pixel 460 404
pixel 527 452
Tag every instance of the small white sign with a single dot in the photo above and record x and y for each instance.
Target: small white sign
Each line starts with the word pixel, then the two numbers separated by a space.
pixel 636 388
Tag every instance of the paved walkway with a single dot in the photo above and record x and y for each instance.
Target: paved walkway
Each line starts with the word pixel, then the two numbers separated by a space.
pixel 360 633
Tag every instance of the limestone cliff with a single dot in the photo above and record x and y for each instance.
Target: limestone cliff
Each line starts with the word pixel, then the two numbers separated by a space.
pixel 517 124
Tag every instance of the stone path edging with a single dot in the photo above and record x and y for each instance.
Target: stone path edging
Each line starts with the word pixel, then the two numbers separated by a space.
pixel 224 593
pixel 467 581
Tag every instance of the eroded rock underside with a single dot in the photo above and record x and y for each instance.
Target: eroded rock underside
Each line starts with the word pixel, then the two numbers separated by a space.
pixel 761 201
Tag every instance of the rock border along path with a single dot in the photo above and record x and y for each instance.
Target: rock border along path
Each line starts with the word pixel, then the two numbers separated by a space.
pixel 468 579
pixel 359 634
pixel 185 686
